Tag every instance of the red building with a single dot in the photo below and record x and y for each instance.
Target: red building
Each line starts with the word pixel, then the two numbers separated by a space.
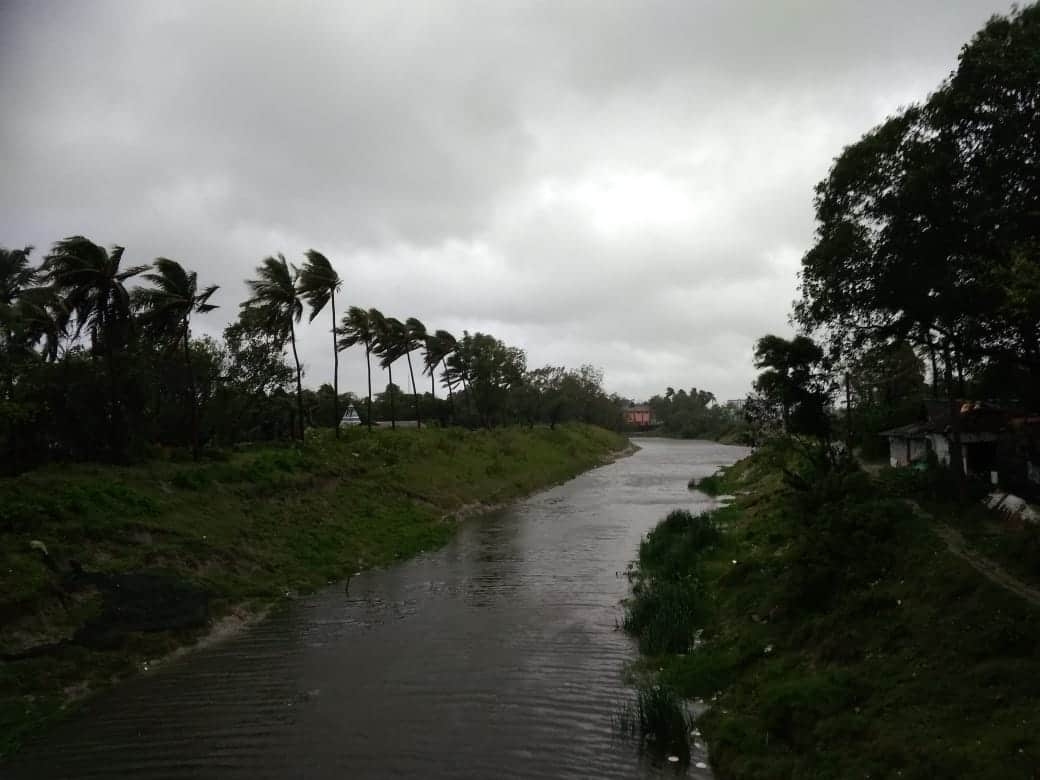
pixel 639 416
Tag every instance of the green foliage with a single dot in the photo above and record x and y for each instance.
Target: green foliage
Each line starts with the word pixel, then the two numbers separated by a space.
pixel 926 225
pixel 695 415
pixel 793 387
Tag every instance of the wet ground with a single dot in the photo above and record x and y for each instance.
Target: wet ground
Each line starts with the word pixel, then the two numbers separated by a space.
pixel 497 656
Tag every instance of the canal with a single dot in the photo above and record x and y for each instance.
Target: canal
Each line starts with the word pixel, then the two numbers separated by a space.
pixel 497 656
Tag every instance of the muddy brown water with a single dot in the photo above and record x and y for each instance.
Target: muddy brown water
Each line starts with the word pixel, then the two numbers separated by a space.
pixel 497 656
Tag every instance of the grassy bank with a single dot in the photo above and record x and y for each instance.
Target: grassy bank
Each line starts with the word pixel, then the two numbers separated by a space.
pixel 139 560
pixel 839 637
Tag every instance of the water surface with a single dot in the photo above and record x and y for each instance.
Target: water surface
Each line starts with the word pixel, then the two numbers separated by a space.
pixel 497 656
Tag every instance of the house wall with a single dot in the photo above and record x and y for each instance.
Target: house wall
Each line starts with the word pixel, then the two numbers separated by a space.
pixel 637 417
pixel 899 448
pixel 896 451
pixel 941 447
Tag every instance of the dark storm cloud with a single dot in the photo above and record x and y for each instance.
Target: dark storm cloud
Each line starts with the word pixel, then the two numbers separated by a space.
pixel 626 184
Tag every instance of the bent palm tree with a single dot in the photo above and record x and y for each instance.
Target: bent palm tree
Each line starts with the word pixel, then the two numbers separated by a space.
pixel 391 336
pixel 165 310
pixel 16 277
pixel 91 284
pixel 438 347
pixel 356 328
pixel 276 302
pixel 27 313
pixel 319 283
pixel 414 337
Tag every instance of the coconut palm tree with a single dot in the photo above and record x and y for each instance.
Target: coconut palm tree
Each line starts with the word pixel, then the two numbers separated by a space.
pixel 91 283
pixel 16 276
pixel 165 311
pixel 42 320
pixel 415 337
pixel 277 304
pixel 28 313
pixel 319 284
pixel 391 338
pixel 356 328
pixel 438 347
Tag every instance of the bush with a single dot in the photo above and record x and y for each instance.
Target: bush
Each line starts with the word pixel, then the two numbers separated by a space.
pixel 844 545
pixel 673 547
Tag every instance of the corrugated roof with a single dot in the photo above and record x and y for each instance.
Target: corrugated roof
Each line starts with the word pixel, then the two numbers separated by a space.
pixel 913 429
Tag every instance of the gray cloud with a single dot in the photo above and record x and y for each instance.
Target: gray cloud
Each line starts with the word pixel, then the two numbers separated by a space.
pixel 625 184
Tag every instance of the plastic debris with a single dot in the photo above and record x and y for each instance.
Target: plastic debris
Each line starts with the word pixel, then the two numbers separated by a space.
pixel 701 765
pixel 673 759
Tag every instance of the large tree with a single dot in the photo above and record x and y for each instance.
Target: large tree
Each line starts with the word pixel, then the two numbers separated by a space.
pixel 927 226
pixel 318 285
pixel 794 381
pixel 165 309
pixel 487 369
pixel 277 305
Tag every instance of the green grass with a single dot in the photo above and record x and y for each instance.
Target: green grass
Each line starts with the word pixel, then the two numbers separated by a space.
pixel 910 663
pixel 247 529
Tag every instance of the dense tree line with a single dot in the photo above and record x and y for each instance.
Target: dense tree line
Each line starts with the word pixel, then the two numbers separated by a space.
pixel 926 261
pixel 695 414
pixel 98 361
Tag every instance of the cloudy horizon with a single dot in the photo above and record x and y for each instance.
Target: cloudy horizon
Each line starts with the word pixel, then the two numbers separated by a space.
pixel 627 185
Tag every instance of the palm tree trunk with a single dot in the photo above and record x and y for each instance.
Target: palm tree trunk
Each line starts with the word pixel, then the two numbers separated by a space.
pixel 368 362
pixel 415 392
pixel 299 380
pixel 193 401
pixel 451 395
pixel 390 389
pixel 335 367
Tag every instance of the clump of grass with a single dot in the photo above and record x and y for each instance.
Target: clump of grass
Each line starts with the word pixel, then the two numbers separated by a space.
pixel 659 720
pixel 667 603
pixel 663 615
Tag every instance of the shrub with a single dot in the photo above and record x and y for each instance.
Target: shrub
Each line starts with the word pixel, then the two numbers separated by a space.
pixel 672 548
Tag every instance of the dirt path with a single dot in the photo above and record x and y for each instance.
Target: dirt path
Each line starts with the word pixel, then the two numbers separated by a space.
pixel 988 568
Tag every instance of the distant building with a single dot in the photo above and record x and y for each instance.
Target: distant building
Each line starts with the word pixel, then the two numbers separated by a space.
pixel 736 404
pixel 639 416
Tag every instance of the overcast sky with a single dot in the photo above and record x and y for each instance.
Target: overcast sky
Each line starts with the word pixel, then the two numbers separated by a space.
pixel 626 184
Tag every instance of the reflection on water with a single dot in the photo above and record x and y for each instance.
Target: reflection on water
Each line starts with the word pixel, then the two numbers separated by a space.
pixel 497 656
